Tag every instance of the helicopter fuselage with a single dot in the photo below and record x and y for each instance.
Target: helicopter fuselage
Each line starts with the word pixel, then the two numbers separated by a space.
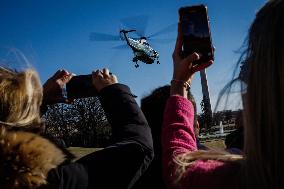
pixel 141 49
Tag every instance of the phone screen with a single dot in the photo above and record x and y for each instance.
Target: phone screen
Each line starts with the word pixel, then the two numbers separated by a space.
pixel 196 32
pixel 80 86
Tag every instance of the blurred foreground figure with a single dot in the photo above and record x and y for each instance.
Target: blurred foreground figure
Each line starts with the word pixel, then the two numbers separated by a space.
pixel 261 165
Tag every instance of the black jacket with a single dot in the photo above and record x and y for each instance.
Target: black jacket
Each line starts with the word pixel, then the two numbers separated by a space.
pixel 116 166
pixel 122 163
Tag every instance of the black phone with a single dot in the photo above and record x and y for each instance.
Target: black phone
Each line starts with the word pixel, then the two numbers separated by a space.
pixel 80 86
pixel 196 32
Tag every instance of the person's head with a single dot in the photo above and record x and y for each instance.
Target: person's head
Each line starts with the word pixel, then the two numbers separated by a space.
pixel 263 101
pixel 153 107
pixel 25 157
pixel 20 98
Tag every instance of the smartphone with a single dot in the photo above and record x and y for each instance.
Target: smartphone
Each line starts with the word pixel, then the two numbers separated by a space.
pixel 80 86
pixel 196 32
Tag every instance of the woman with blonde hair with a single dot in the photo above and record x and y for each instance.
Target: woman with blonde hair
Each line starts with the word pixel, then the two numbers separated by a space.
pixel 261 165
pixel 29 161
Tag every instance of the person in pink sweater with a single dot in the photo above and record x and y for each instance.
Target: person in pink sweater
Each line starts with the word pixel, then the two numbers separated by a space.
pixel 261 165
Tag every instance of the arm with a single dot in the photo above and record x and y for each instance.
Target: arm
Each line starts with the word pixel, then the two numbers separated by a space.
pixel 123 162
pixel 178 133
pixel 178 138
pixel 124 115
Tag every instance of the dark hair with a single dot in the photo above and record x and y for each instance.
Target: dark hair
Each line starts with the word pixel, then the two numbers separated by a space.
pixel 153 107
pixel 154 104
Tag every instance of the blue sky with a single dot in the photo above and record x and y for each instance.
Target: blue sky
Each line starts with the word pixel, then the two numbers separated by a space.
pixel 55 34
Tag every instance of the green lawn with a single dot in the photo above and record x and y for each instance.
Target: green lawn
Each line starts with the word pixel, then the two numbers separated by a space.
pixel 79 152
pixel 216 144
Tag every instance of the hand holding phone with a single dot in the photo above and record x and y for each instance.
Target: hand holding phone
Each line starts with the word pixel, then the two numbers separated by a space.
pixel 53 87
pixel 184 67
pixel 103 78
pixel 196 33
pixel 83 86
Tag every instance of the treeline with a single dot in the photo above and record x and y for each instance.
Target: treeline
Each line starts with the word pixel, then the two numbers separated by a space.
pixel 225 116
pixel 81 123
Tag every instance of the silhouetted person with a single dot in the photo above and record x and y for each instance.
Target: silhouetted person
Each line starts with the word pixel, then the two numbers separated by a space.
pixel 153 107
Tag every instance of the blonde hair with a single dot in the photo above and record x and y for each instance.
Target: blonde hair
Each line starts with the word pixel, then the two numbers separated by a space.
pixel 20 98
pixel 185 160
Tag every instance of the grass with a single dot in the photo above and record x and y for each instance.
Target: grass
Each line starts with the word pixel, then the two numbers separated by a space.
pixel 80 152
pixel 216 144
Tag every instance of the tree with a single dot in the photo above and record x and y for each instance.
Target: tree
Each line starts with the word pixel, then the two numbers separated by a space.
pixel 205 118
pixel 82 123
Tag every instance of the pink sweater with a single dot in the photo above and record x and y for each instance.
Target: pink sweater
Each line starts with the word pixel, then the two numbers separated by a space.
pixel 177 138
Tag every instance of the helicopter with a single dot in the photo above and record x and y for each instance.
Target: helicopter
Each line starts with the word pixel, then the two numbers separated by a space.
pixel 141 48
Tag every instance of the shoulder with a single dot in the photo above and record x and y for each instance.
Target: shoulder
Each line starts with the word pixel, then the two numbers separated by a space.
pixel 71 174
pixel 210 173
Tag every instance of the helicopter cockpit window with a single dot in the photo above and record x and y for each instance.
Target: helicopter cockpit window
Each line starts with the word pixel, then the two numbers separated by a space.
pixel 144 41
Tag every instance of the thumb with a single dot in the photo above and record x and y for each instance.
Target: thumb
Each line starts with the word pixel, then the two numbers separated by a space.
pixel 191 58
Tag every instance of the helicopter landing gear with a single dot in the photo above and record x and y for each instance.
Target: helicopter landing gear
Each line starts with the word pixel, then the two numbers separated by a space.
pixel 158 62
pixel 135 60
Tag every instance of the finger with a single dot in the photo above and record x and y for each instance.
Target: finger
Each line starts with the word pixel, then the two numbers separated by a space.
pixel 95 73
pixel 202 66
pixel 56 74
pixel 191 58
pixel 60 73
pixel 105 72
pixel 98 74
pixel 67 78
pixel 178 46
pixel 114 78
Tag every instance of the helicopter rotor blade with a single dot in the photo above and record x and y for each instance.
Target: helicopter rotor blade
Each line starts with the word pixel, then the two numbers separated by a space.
pixel 161 41
pixel 94 36
pixel 139 23
pixel 168 29
pixel 121 47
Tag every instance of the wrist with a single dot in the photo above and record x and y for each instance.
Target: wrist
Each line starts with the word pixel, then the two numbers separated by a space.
pixel 185 84
pixel 180 88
